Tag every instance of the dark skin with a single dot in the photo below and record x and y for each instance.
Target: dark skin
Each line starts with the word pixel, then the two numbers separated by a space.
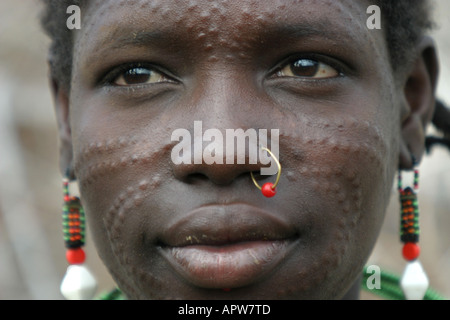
pixel 346 125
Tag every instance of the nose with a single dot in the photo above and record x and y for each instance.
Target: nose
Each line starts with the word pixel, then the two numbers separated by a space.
pixel 223 141
pixel 220 157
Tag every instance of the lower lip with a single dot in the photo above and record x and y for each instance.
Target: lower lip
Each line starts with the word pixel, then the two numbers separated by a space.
pixel 229 266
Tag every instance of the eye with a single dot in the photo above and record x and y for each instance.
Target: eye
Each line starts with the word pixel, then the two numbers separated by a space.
pixel 307 68
pixel 139 76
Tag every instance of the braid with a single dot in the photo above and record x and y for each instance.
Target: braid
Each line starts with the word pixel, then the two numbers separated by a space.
pixel 441 121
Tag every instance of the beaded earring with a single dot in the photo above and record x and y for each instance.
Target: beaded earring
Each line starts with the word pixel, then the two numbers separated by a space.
pixel 78 283
pixel 414 281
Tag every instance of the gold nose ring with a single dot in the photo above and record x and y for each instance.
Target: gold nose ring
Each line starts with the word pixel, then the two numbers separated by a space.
pixel 269 189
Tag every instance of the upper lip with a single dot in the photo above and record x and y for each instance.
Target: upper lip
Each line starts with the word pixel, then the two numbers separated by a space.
pixel 217 225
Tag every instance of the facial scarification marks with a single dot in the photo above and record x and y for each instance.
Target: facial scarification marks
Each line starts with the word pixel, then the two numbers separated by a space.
pixel 208 34
pixel 210 22
pixel 213 23
pixel 115 222
pixel 131 198
pixel 331 180
pixel 342 184
pixel 111 156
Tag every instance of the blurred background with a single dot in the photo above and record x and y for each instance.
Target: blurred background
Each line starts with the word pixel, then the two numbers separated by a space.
pixel 32 253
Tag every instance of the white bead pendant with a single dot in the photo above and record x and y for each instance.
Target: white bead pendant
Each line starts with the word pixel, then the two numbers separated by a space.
pixel 414 281
pixel 78 283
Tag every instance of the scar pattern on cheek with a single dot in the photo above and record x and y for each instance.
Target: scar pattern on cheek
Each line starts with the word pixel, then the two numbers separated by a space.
pixel 333 177
pixel 115 223
pixel 347 135
pixel 341 186
pixel 103 158
pixel 131 198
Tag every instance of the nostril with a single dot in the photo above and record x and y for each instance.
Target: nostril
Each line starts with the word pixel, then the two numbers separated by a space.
pixel 195 178
pixel 212 180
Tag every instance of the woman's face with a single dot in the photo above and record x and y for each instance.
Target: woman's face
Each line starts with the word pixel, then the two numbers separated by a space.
pixel 311 69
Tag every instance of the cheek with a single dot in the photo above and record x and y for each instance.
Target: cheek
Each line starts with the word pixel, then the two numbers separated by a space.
pixel 126 239
pixel 342 161
pixel 119 172
pixel 117 177
pixel 341 177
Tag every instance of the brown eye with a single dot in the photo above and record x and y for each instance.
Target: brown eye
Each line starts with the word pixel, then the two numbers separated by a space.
pixel 134 76
pixel 308 68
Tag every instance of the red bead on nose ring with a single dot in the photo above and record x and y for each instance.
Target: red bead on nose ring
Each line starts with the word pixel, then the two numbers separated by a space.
pixel 269 189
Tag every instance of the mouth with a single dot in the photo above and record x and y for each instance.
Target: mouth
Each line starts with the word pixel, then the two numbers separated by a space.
pixel 226 246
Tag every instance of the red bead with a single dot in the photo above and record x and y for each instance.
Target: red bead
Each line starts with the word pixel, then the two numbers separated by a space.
pixel 267 190
pixel 75 256
pixel 411 251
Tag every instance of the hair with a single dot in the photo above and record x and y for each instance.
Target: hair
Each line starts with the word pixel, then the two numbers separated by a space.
pixel 406 22
pixel 53 21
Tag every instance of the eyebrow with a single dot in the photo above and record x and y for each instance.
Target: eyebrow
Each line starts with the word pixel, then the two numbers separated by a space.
pixel 120 38
pixel 305 29
pixel 321 29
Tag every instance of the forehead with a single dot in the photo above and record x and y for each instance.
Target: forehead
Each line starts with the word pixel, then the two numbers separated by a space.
pixel 198 13
pixel 227 23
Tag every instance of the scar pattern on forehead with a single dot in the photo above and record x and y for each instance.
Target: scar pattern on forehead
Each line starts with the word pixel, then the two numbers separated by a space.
pixel 204 20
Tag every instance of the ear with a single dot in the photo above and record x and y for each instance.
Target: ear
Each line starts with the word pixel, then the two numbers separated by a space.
pixel 61 103
pixel 419 93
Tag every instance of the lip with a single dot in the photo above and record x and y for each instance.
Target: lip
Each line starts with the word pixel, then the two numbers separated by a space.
pixel 226 246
